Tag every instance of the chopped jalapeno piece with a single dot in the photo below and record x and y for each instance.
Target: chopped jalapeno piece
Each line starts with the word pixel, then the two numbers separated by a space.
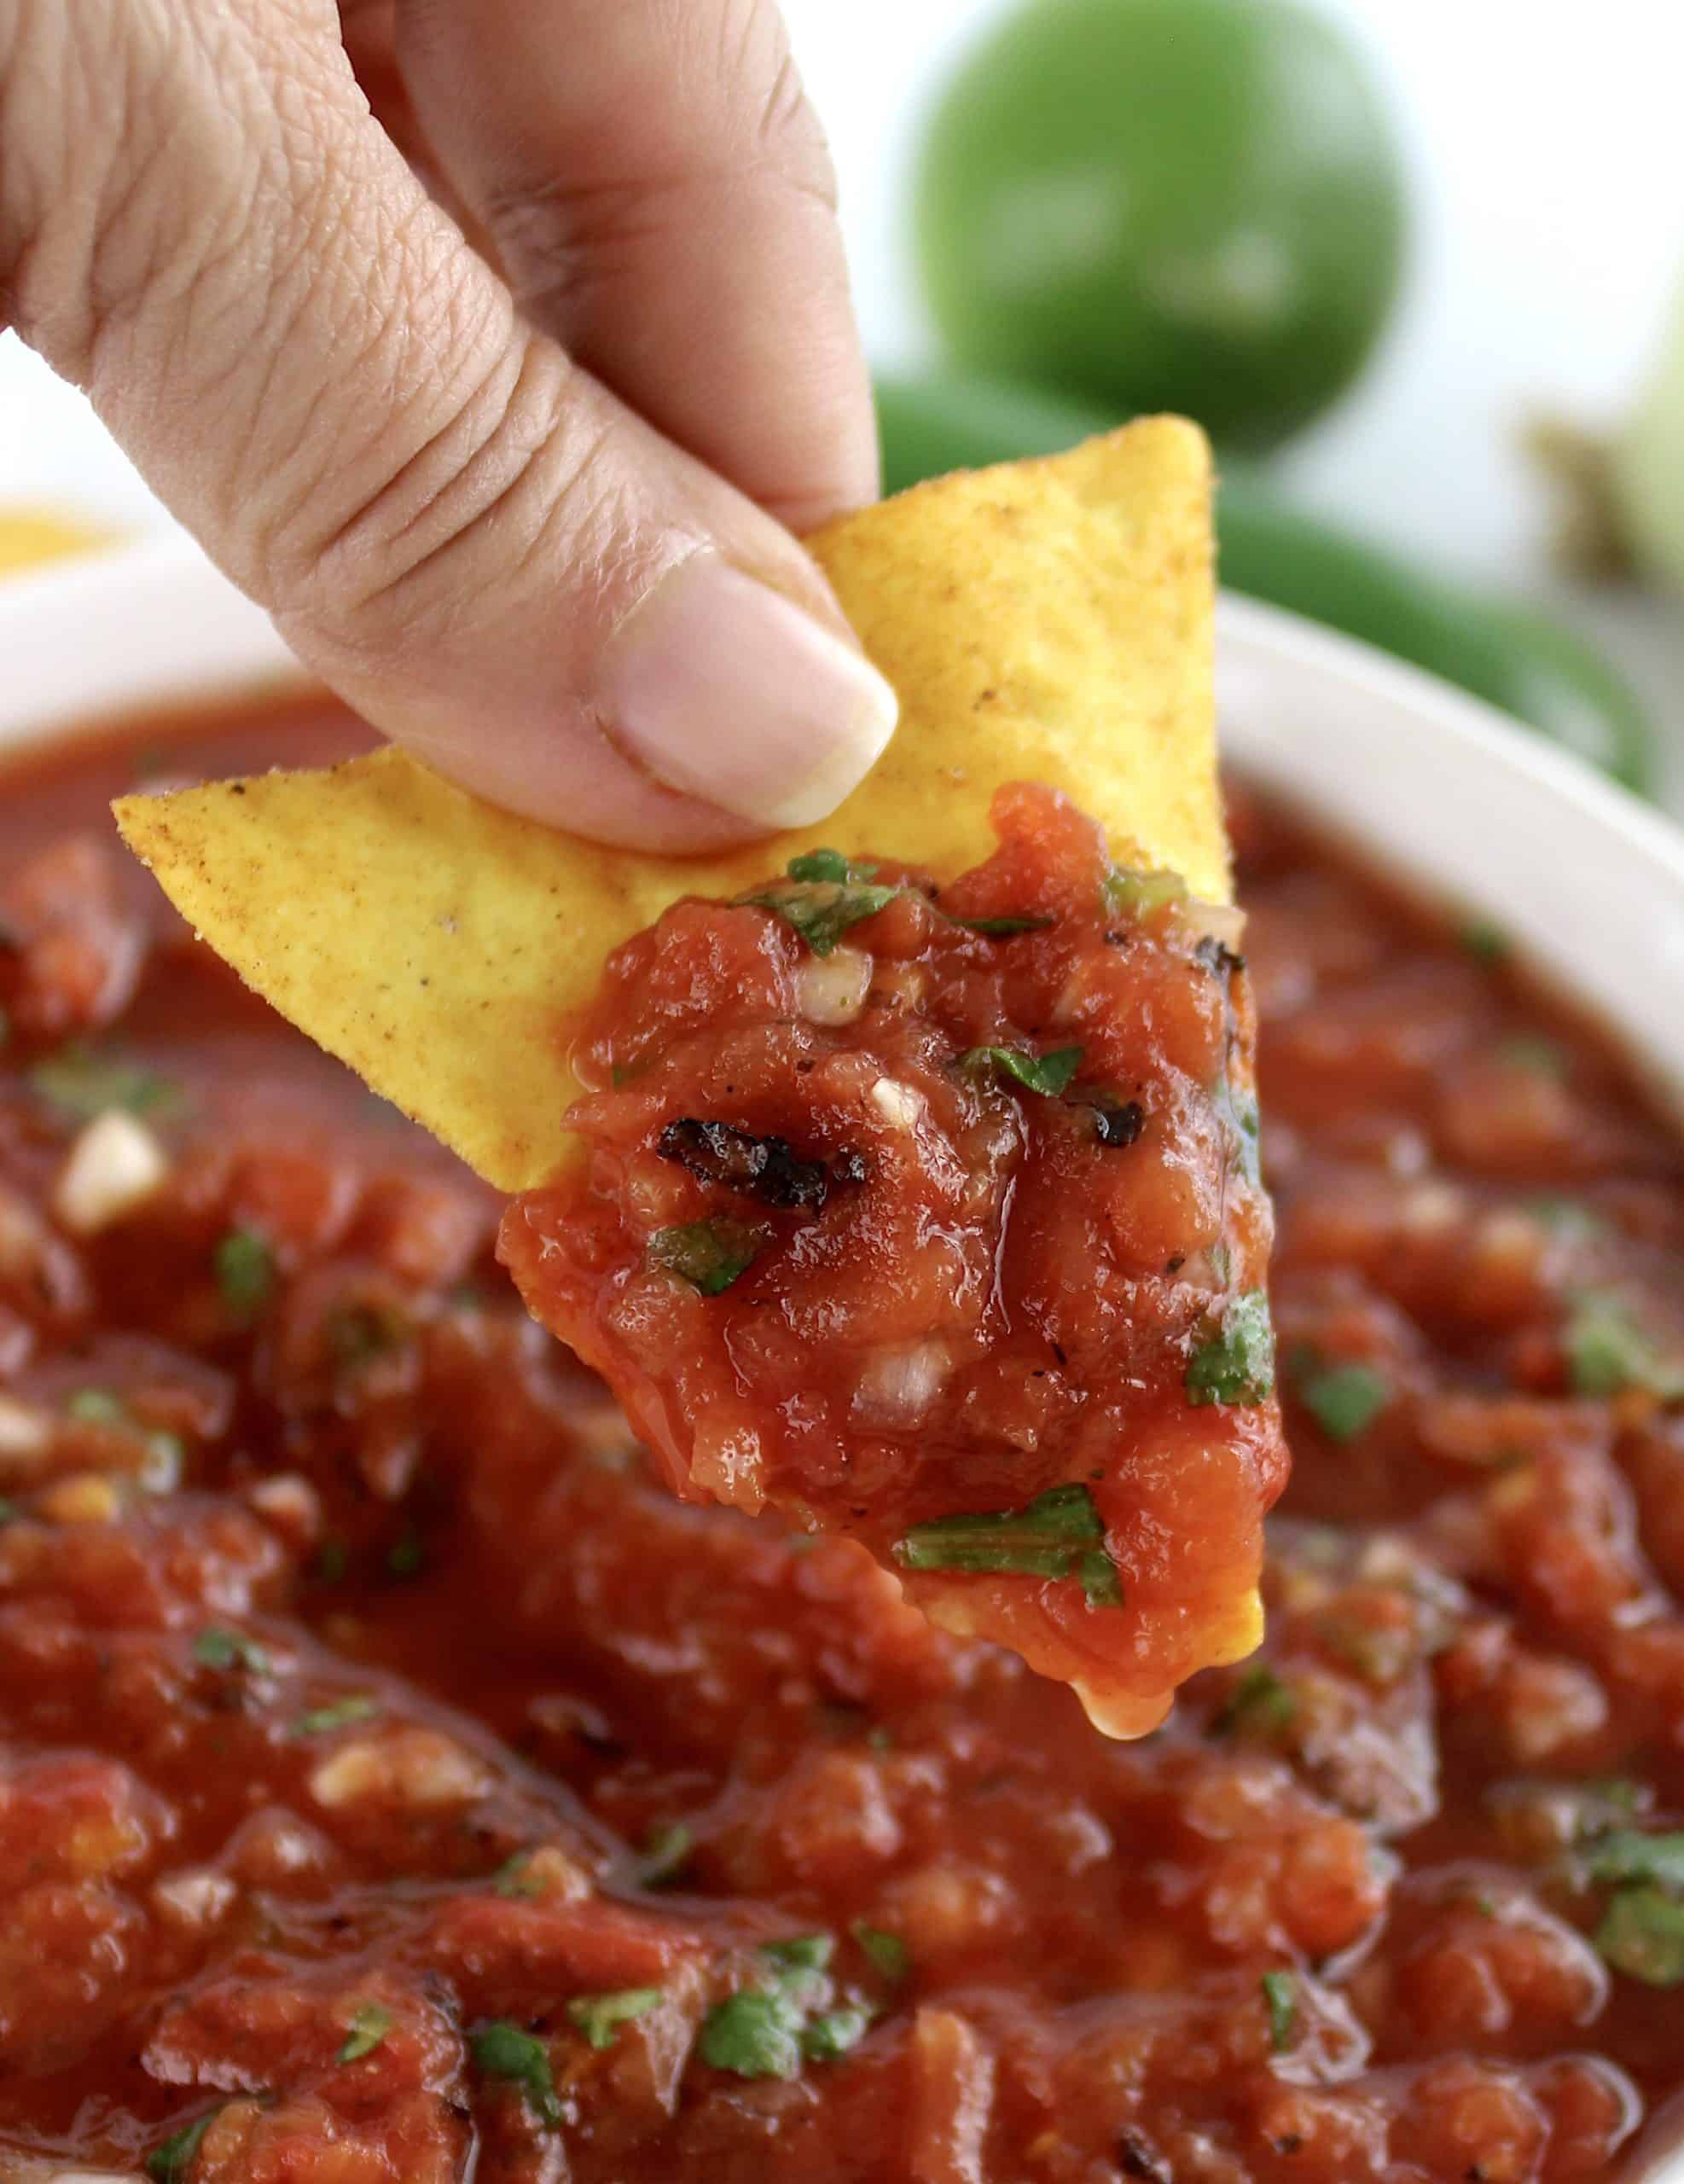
pixel 1281 1999
pixel 216 1648
pixel 1139 894
pixel 503 2050
pixel 710 1255
pixel 1057 1535
pixel 339 1714
pixel 1641 1933
pixel 1048 1074
pixel 370 2025
pixel 1237 1364
pixel 600 2017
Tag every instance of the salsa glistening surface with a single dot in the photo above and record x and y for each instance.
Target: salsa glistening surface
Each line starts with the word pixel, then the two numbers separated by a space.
pixel 930 1214
pixel 396 1783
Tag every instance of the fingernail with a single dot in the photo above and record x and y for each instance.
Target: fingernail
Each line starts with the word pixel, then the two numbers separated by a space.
pixel 725 690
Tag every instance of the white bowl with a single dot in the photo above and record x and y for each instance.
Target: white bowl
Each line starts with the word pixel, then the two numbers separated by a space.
pixel 1429 784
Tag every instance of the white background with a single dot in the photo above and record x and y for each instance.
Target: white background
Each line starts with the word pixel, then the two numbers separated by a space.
pixel 1549 173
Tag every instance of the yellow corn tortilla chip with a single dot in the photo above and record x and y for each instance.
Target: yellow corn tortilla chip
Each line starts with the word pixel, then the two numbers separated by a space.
pixel 1047 621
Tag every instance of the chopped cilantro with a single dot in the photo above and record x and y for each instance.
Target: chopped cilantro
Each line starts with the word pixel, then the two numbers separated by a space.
pixel 666 1851
pixel 1641 1934
pixel 710 1255
pixel 1259 1704
pixel 1004 928
pixel 800 1952
pixel 1485 942
pixel 828 865
pixel 502 2050
pixel 889 1956
pixel 1047 1074
pixel 370 2024
pixel 81 1082
pixel 339 1714
pixel 169 2164
pixel 1344 1399
pixel 1237 1365
pixel 245 1272
pixel 1625 1855
pixel 405 1557
pixel 1057 1535
pixel 217 1648
pixel 1564 1217
pixel 1138 894
pixel 754 2033
pixel 821 910
pixel 829 2037
pixel 600 2017
pixel 1281 1999
pixel 1607 1351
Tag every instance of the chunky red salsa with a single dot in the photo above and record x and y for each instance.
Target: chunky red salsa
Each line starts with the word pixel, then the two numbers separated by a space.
pixel 396 1783
pixel 932 1215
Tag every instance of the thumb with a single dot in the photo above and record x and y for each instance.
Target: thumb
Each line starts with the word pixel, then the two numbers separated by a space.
pixel 468 536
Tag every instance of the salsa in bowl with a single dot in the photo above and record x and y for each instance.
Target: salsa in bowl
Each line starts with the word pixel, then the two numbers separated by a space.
pixel 397 1784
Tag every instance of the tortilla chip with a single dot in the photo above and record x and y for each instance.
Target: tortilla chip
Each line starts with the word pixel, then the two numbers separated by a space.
pixel 1046 621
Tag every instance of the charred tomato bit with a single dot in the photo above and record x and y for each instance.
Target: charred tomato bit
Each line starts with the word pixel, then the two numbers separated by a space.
pixel 1118 1123
pixel 1057 1535
pixel 767 1168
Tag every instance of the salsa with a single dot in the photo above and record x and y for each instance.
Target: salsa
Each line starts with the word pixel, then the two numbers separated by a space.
pixel 930 1214
pixel 396 1782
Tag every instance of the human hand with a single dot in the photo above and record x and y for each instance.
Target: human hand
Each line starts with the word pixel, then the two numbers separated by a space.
pixel 521 504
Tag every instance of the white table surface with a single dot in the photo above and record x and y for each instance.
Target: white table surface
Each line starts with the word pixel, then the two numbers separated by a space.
pixel 1551 229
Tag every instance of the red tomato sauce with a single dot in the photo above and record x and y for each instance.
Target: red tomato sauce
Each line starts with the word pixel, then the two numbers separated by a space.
pixel 397 1783
pixel 931 1216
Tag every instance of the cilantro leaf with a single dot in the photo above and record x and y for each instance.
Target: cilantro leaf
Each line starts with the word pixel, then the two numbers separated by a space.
pixel 1237 1364
pixel 600 2017
pixel 829 2037
pixel 502 2050
pixel 81 1082
pixel 710 1255
pixel 1047 1074
pixel 1004 928
pixel 800 1952
pixel 245 1272
pixel 1485 942
pixel 370 2022
pixel 339 1714
pixel 170 2162
pixel 1345 1399
pixel 1260 1704
pixel 822 910
pixel 1281 1999
pixel 1642 1934
pixel 217 1648
pixel 512 1880
pixel 1607 1351
pixel 666 1851
pixel 754 2033
pixel 889 1956
pixel 828 865
pixel 1057 1535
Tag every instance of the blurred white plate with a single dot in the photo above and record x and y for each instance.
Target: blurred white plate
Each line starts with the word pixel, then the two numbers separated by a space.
pixel 1432 785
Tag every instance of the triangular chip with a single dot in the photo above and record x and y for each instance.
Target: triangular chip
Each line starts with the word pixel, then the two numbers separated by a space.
pixel 1048 621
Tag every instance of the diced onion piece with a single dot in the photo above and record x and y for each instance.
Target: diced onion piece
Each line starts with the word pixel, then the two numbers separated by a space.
pixel 832 989
pixel 196 1898
pixel 290 1503
pixel 25 1434
pixel 897 1386
pixel 1219 921
pixel 411 1767
pixel 898 1104
pixel 114 1165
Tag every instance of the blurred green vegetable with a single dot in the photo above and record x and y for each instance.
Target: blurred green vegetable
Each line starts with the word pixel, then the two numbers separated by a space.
pixel 1512 657
pixel 1190 205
